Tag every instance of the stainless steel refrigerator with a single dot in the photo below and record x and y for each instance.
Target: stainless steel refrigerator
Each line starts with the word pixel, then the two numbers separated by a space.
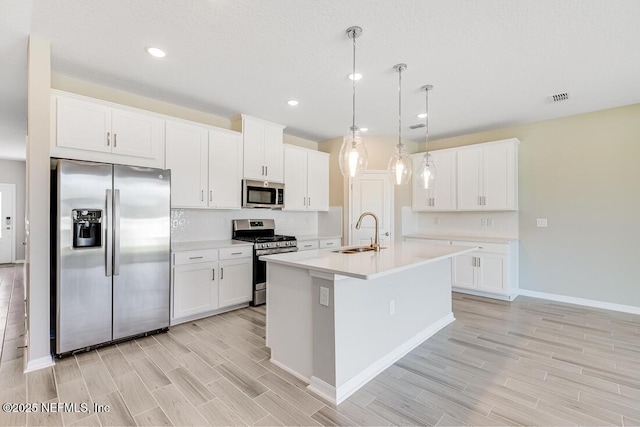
pixel 112 252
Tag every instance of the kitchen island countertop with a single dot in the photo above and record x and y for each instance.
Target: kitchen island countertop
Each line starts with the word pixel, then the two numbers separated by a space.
pixel 395 257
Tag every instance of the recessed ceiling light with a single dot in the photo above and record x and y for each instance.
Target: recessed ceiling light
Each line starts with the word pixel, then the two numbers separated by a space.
pixel 292 102
pixel 357 77
pixel 422 115
pixel 364 129
pixel 157 52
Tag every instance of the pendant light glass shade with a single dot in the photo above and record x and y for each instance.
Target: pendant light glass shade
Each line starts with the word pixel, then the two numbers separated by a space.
pixel 353 153
pixel 427 174
pixel 399 167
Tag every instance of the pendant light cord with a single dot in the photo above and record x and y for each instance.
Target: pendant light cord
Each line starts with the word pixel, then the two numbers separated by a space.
pixel 399 107
pixel 353 122
pixel 426 122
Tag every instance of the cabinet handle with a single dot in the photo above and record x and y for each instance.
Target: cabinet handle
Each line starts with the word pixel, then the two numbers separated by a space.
pixel 266 170
pixel 478 261
pixel 307 246
pixel 210 195
pixel 202 195
pixel 309 201
pixel 115 140
pixel 236 253
pixel 304 201
pixel 214 274
pixel 108 138
pixel 221 273
pixel 484 200
pixel 474 262
pixel 262 171
pixel 196 257
pixel 329 243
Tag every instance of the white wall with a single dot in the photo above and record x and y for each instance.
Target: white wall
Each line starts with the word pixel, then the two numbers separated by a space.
pixel 581 173
pixel 14 172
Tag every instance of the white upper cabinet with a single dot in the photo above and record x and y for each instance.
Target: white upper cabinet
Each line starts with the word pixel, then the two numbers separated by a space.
pixel 205 166
pixel 487 176
pixel 263 148
pixel 225 169
pixel 87 129
pixel 186 156
pixel 306 179
pixel 443 196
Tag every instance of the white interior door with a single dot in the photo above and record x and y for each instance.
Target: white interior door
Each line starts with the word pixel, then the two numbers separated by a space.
pixel 7 217
pixel 372 192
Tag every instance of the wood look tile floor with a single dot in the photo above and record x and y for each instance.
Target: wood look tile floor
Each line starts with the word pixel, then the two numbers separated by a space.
pixel 528 362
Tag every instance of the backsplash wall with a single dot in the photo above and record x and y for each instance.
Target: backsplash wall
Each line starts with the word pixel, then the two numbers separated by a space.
pixel 201 224
pixel 503 224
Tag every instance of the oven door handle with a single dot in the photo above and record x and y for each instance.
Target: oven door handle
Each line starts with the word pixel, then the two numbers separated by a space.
pixel 260 252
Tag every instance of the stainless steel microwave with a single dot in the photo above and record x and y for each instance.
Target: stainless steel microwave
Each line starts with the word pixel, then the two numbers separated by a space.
pixel 262 194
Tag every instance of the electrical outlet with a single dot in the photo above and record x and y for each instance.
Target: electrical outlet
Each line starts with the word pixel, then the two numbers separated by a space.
pixel 392 307
pixel 324 296
pixel 541 222
pixel 483 221
pixel 174 223
pixel 489 222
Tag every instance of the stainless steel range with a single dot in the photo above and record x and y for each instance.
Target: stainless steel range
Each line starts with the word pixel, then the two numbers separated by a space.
pixel 265 242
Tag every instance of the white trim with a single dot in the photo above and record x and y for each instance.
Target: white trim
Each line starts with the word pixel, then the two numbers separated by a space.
pixel 289 370
pixel 581 301
pixel 19 261
pixel 13 213
pixel 504 297
pixel 348 388
pixel 323 389
pixel 43 362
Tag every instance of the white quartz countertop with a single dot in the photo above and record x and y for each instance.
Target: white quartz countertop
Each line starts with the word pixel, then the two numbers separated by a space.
pixel 462 238
pixel 206 244
pixel 397 256
pixel 307 237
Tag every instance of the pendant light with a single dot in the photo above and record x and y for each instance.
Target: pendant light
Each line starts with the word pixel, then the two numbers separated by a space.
pixel 427 173
pixel 353 153
pixel 400 163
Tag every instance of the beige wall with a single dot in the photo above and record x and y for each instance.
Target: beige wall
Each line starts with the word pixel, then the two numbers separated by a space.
pixel 14 172
pixel 379 149
pixel 37 203
pixel 582 173
pixel 92 90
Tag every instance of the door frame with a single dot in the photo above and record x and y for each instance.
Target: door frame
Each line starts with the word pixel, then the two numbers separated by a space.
pixel 349 204
pixel 13 220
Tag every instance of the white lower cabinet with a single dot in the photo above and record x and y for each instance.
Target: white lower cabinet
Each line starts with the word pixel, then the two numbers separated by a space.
pixel 490 271
pixel 235 282
pixel 195 289
pixel 308 245
pixel 205 282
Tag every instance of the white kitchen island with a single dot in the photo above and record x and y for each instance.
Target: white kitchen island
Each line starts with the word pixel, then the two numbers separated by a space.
pixel 337 320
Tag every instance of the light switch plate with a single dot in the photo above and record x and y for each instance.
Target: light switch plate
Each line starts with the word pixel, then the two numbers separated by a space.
pixel 541 222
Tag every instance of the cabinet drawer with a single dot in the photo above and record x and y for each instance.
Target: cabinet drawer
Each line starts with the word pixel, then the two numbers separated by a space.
pixel 192 257
pixel 308 245
pixel 497 248
pixel 329 243
pixel 236 252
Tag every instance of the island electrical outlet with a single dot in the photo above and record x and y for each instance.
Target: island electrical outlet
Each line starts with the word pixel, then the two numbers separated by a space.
pixel 324 296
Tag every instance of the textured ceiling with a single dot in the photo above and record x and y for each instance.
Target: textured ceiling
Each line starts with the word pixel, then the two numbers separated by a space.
pixel 493 63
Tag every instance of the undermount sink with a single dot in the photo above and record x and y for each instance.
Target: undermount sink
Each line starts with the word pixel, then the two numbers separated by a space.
pixel 357 249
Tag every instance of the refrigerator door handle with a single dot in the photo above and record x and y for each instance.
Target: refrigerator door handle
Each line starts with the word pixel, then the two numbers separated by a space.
pixel 116 232
pixel 108 234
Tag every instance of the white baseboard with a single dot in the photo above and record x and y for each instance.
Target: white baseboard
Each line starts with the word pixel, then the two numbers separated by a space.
pixel 347 389
pixel 40 363
pixel 323 389
pixel 503 297
pixel 581 301
pixel 291 371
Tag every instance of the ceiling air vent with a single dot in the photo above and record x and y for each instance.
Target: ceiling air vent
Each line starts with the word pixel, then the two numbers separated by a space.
pixel 417 126
pixel 560 97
